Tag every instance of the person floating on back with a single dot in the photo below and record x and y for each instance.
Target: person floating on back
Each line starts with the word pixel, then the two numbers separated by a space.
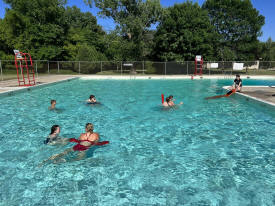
pixel 237 84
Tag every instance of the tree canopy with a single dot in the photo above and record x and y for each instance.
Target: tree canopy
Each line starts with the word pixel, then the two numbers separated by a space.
pixel 219 30
pixel 238 25
pixel 184 32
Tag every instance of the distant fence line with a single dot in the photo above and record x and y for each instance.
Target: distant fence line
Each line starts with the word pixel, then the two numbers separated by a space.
pixel 8 70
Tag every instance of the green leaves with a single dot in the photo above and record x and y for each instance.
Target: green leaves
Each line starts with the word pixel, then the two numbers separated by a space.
pixel 238 25
pixel 184 32
pixel 133 18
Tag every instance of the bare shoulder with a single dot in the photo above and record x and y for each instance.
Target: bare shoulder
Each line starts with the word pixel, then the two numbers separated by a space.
pixel 82 134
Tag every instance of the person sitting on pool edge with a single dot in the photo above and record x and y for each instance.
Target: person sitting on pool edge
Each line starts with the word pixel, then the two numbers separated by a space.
pixel 54 138
pixel 53 103
pixel 237 83
pixel 86 140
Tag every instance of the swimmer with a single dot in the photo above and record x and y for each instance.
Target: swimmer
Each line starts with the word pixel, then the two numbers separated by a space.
pixel 53 103
pixel 86 140
pixel 92 100
pixel 237 83
pixel 54 138
pixel 171 97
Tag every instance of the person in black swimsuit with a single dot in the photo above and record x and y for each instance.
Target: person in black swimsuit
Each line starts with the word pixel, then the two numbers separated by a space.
pixel 54 138
pixel 237 83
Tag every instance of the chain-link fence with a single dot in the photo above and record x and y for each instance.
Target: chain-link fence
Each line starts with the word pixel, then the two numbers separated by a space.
pixel 44 67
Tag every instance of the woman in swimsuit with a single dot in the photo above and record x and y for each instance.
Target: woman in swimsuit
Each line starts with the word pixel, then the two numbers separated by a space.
pixel 86 140
pixel 54 138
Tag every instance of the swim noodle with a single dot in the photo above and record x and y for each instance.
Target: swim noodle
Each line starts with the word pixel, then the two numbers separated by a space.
pixel 162 98
pixel 97 143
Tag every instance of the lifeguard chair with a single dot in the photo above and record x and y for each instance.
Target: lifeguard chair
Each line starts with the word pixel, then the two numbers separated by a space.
pixel 24 68
pixel 198 65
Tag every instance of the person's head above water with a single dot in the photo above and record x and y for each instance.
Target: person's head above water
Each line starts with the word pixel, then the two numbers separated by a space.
pixel 89 127
pixel 168 99
pixel 171 97
pixel 55 129
pixel 92 98
pixel 53 102
pixel 238 76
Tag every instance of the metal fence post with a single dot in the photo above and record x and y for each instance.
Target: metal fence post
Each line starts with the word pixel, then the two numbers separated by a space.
pixel 36 69
pixel 209 67
pixel 165 68
pixel 58 67
pixel 79 67
pixel 101 66
pixel 142 67
pixel 1 71
pixel 48 67
pixel 121 68
pixel 187 68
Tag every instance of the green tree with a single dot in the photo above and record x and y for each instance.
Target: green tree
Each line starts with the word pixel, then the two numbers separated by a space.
pixel 83 32
pixel 184 32
pixel 134 18
pixel 268 50
pixel 238 25
pixel 36 26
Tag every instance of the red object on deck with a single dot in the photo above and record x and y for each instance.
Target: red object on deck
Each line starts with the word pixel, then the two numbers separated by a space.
pixel 198 65
pixel 162 98
pixel 24 68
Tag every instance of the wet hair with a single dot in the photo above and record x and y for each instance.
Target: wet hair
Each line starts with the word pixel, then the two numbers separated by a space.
pixel 52 101
pixel 90 127
pixel 92 96
pixel 171 97
pixel 168 99
pixel 53 129
pixel 237 75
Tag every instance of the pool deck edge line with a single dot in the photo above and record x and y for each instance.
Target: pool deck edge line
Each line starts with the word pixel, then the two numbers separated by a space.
pixel 133 77
pixel 14 90
pixel 251 97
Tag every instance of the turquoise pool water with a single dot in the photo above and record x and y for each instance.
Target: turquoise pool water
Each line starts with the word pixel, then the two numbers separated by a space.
pixel 215 152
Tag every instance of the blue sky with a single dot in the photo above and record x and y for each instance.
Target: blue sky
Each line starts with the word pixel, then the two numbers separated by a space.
pixel 265 7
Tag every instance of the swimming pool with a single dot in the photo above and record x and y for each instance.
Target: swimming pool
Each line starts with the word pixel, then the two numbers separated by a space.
pixel 215 152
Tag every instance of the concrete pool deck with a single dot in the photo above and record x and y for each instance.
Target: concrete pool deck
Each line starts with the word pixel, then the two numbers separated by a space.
pixel 10 86
pixel 260 93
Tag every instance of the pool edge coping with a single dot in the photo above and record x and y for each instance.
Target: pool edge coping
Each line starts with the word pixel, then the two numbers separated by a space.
pixel 133 77
pixel 254 98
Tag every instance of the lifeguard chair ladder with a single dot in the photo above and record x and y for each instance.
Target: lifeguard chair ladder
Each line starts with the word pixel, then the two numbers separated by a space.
pixel 24 68
pixel 198 65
